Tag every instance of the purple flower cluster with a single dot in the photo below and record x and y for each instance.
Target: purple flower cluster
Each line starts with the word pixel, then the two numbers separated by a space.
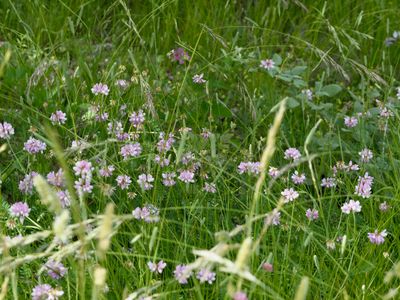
pixel 350 122
pixel 205 275
pixel 364 186
pixel 267 64
pixel 328 182
pixel 187 176
pixel 292 154
pixel 100 89
pixel 20 210
pixel 377 237
pixel 312 214
pixel 56 179
pixel 298 178
pixel 55 269
pixel 156 267
pixel 289 195
pixel 123 181
pixel 198 79
pixel 83 169
pixel 249 167
pixel 65 198
pixel 351 206
pixel 26 184
pixel 46 292
pixel 210 188
pixel 58 117
pixel 148 213
pixel 137 118
pixel 107 171
pixel 6 130
pixel 34 146
pixel 168 179
pixel 131 150
pixel 182 274
pixel 145 181
pixel 365 155
pixel 179 55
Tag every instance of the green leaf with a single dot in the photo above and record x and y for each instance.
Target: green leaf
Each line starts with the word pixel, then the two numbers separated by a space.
pixel 331 90
pixel 298 70
pixel 220 109
pixel 299 83
pixel 277 59
pixel 292 103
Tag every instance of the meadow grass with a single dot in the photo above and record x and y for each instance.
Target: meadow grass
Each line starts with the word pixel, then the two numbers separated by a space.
pixel 328 61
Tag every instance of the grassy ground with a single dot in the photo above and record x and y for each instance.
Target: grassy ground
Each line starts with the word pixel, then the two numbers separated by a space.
pixel 53 52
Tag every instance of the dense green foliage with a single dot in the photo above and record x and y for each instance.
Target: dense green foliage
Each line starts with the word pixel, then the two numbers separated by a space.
pixel 53 52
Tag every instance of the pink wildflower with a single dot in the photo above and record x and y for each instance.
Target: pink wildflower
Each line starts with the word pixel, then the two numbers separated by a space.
pixel 58 117
pixel 289 195
pixel 123 181
pixel 267 64
pixel 100 88
pixel 6 130
pixel 20 210
pixel 377 237
pixel 34 146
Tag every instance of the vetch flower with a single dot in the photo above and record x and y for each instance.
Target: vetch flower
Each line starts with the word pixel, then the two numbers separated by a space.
pixel 182 274
pixel 298 178
pixel 165 143
pixel 168 179
pixel 384 207
pixel 107 171
pixel 156 267
pixel 137 118
pixel 34 146
pixel 351 206
pixel 292 153
pixel 328 182
pixel 289 195
pixel 199 79
pixel 26 185
pixel 377 237
pixel 268 267
pixel 240 296
pixel 273 172
pixel 65 198
pixel 186 176
pixel 56 178
pixel 100 88
pixel 205 275
pixel 20 210
pixel 148 213
pixel 179 55
pixel 131 150
pixel 123 181
pixel 308 93
pixel 364 186
pixel 276 218
pixel 83 168
pixel 6 130
pixel 312 214
pixel 145 181
pixel 267 64
pixel 249 167
pixel 58 117
pixel 365 155
pixel 56 270
pixel 210 188
pixel 350 122
pixel 46 292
